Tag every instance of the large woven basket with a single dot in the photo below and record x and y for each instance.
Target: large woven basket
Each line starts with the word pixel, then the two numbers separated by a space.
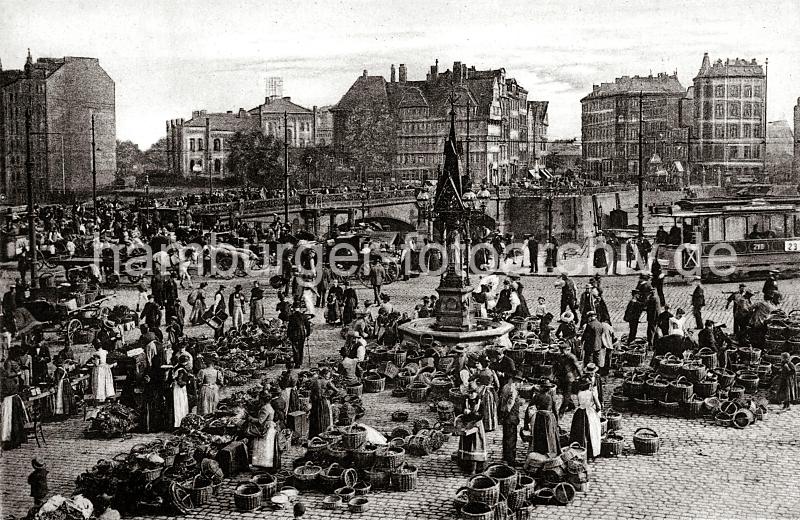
pixel 200 491
pixel 364 456
pixel 355 389
pixel 645 441
pixel 374 383
pixel 353 437
pixel 267 483
pixel 482 488
pixel 330 478
pixel 378 477
pixel 390 457
pixel 247 497
pixel 404 478
pixel 417 392
pixel 306 475
pixel 505 475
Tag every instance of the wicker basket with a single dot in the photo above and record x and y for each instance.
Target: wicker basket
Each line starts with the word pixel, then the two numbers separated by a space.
pixel 332 502
pixel 656 389
pixel 404 478
pixel 749 381
pixel 398 357
pixel 374 383
pixel 461 499
pixel 390 457
pixel 445 410
pixel 362 488
pixel 355 389
pixel 417 392
pixel 517 498
pixel 353 437
pixel 378 477
pixel 358 504
pixel 680 389
pixel 200 491
pixel 336 451
pixel 646 441
pixel 247 497
pixel 440 387
pixel 726 377
pixel 620 401
pixel 505 475
pixel 364 456
pixel 149 475
pixel 346 492
pixel 477 511
pixel 330 478
pixel 306 475
pixel 525 512
pixel 482 488
pixel 611 444
pixel 268 485
pixel 614 420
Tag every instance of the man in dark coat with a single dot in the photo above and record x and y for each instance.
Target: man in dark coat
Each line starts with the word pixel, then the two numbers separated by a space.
pixel 653 310
pixel 533 252
pixel 592 340
pixel 503 365
pixel 633 312
pixel 151 314
pixel 698 302
pixel 377 277
pixel 658 280
pixel 9 306
pixel 569 296
pixel 298 329
pixel 770 285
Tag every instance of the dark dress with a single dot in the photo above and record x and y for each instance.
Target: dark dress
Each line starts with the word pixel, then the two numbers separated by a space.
pixel 321 416
pixel 543 425
pixel 350 303
pixel 787 387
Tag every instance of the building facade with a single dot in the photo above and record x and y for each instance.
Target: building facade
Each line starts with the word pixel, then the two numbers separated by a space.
pixel 200 145
pixel 491 121
pixel 610 126
pixel 796 158
pixel 729 120
pixel 69 99
pixel 537 132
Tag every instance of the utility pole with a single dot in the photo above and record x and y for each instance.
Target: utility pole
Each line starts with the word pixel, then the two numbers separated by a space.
pixel 94 173
pixel 29 181
pixel 285 168
pixel 641 171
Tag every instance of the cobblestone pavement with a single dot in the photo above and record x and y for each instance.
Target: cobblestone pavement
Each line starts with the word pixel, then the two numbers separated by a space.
pixel 701 470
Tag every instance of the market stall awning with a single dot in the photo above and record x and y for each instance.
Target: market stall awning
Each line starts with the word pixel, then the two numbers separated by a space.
pixel 678 166
pixel 540 173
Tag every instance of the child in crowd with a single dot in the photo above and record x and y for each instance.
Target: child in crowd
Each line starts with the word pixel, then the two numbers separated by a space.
pixel 38 482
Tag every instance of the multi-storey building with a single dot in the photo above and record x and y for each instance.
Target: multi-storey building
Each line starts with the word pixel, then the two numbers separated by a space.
pixel 796 159
pixel 537 132
pixel 610 125
pixel 70 101
pixel 491 121
pixel 200 145
pixel 729 113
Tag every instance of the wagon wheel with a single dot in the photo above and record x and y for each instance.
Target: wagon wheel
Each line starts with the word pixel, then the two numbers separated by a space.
pixel 72 327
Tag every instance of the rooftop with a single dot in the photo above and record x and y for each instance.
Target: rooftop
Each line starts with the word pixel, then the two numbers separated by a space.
pixel 225 121
pixel 729 68
pixel 662 83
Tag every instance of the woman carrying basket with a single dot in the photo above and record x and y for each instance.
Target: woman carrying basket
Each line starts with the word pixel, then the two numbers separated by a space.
pixel 471 453
pixel 321 415
pixel 263 433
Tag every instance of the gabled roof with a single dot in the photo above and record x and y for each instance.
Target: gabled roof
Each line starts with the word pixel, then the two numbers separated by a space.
pixel 373 87
pixel 730 68
pixel 281 105
pixel 224 121
pixel 661 84
pixel 412 97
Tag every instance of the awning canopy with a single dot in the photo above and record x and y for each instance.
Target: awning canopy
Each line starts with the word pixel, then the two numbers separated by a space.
pixel 540 173
pixel 678 166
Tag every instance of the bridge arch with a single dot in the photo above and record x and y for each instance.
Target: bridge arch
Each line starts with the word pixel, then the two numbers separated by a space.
pixel 385 223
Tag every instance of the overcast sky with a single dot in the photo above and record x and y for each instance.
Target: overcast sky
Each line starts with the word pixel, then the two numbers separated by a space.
pixel 168 57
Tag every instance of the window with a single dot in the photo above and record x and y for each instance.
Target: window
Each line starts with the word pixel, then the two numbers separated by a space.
pixel 756 130
pixel 733 131
pixel 734 91
pixel 708 91
pixel 747 130
pixel 748 153
pixel 217 146
pixel 719 109
pixel 719 91
pixel 706 110
pixel 733 109
pixel 748 110
pixel 718 152
pixel 757 91
pixel 199 144
pixel 191 163
pixel 217 166
pixel 757 110
pixel 719 131
pixel 707 152
pixel 191 145
pixel 733 152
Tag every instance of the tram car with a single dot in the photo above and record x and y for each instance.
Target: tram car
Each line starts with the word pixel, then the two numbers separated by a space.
pixel 733 239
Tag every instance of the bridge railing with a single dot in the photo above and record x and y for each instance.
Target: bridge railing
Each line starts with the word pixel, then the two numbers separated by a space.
pixel 565 190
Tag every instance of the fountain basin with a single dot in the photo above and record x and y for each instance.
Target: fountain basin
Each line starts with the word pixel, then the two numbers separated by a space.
pixel 483 331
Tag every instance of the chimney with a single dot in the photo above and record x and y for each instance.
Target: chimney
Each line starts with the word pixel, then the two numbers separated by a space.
pixel 391 74
pixel 457 71
pixel 243 112
pixel 434 75
pixel 267 100
pixel 402 73
pixel 364 75
pixel 289 99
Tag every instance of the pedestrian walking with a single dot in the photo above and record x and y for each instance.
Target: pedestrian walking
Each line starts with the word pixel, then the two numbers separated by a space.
pixel 533 253
pixel 298 328
pixel 698 302
pixel 236 306
pixel 592 340
pixel 569 296
pixel 787 388
pixel 377 276
pixel 658 280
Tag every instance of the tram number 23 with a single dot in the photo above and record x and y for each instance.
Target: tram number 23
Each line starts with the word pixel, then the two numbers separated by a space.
pixel 791 245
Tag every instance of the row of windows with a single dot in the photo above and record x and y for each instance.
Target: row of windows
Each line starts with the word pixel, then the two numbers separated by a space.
pixel 273 128
pixel 732 91
pixel 199 162
pixel 730 131
pixel 196 145
pixel 718 152
pixel 732 109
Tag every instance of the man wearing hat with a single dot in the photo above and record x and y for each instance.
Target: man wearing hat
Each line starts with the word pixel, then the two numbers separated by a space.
pixel 653 310
pixel 633 311
pixel 9 305
pixel 698 302
pixel 298 328
pixel 567 371
pixel 503 365
pixel 508 413
pixel 533 253
pixel 770 284
pixel 592 340
pixel 151 314
pixel 38 482
pixel 569 295
pixel 738 300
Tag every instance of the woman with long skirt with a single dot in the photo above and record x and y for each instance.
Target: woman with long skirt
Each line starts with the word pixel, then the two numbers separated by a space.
pixel 586 421
pixel 197 299
pixel 350 304
pixel 471 452
pixel 321 415
pixel 258 312
pixel 13 415
pixel 180 397
pixel 102 379
pixel 787 387
pixel 65 396
pixel 209 379
pixel 541 420
pixel 488 383
pixel 263 433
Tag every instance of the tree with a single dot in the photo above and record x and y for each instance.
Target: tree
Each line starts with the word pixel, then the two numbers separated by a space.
pixel 369 136
pixel 256 158
pixel 314 162
pixel 129 158
pixel 155 158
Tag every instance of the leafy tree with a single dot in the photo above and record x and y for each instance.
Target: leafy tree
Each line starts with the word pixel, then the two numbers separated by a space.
pixel 314 164
pixel 155 157
pixel 369 136
pixel 129 158
pixel 256 158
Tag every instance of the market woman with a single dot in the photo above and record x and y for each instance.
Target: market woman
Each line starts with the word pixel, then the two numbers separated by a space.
pixel 263 433
pixel 102 379
pixel 541 420
pixel 209 380
pixel 471 435
pixel 786 378
pixel 197 299
pixel 257 311
pixel 488 383
pixel 350 304
pixel 180 399
pixel 65 396
pixel 586 421
pixel 321 415
pixel 12 410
